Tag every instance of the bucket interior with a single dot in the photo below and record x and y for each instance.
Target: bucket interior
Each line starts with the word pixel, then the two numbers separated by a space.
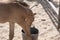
pixel 33 31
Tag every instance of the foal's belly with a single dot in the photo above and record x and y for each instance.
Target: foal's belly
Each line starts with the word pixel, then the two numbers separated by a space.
pixel 4 17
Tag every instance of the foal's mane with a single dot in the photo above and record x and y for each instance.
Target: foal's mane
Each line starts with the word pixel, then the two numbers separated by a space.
pixel 23 4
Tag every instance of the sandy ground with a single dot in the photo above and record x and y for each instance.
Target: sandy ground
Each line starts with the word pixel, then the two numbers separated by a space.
pixel 47 30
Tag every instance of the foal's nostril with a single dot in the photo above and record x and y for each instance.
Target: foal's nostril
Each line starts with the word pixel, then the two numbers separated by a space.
pixel 23 31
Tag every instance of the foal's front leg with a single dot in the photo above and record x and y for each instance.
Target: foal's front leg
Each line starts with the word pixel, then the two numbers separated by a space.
pixel 11 31
pixel 27 33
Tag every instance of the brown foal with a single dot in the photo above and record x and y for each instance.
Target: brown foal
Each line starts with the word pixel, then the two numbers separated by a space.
pixel 13 12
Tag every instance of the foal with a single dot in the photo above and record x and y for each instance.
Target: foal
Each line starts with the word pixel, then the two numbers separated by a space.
pixel 12 12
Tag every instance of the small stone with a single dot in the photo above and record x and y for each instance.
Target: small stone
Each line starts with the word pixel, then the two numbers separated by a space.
pixel 43 19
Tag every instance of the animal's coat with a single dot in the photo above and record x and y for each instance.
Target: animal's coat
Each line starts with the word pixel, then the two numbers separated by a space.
pixel 12 12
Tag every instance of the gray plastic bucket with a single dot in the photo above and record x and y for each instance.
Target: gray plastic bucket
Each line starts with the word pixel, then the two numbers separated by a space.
pixel 34 34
